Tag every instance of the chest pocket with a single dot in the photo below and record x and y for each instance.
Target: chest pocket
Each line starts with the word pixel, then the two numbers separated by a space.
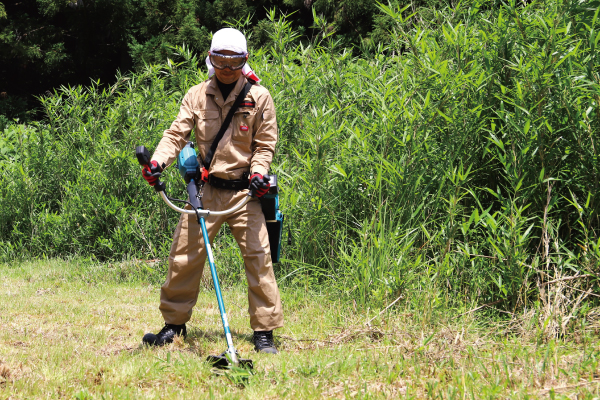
pixel 207 124
pixel 243 124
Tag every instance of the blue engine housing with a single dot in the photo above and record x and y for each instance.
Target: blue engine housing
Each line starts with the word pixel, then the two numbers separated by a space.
pixel 189 168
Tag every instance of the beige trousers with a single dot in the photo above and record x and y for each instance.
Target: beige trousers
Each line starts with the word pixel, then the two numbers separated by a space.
pixel 188 254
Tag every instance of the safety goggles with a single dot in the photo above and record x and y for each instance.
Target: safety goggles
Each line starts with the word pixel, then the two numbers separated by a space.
pixel 222 61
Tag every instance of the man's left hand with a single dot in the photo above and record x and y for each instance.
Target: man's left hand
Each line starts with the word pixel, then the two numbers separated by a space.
pixel 259 185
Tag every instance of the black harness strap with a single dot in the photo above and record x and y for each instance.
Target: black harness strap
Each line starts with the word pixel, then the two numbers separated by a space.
pixel 228 118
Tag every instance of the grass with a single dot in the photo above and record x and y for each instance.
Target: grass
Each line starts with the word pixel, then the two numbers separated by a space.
pixel 71 330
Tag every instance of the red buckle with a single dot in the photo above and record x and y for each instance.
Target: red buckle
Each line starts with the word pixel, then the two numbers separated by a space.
pixel 204 175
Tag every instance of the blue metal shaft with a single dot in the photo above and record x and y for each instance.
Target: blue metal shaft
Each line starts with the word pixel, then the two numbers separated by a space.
pixel 215 278
pixel 197 204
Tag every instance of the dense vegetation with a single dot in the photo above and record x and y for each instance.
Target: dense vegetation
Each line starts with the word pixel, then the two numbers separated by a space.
pixel 460 158
pixel 45 44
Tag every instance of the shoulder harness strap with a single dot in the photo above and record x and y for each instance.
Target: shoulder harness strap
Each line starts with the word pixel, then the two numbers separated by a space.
pixel 228 118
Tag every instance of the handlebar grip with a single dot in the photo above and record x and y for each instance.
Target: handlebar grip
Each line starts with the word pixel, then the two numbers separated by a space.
pixel 143 155
pixel 252 193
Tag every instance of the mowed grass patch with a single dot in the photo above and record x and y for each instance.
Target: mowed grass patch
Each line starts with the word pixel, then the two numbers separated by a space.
pixel 68 330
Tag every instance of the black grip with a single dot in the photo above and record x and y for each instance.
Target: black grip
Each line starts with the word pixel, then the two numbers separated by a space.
pixel 193 194
pixel 143 155
pixel 252 192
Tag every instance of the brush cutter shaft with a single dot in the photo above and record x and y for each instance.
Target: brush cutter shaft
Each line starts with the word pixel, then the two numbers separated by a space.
pixel 215 278
pixel 204 213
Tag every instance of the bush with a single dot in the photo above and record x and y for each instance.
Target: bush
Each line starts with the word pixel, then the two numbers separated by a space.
pixel 461 156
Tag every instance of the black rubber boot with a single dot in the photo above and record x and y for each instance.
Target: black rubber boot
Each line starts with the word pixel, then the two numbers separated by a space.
pixel 166 335
pixel 263 342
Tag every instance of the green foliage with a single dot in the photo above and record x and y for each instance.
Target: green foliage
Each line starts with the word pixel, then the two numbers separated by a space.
pixel 82 186
pixel 181 22
pixel 460 157
pixel 49 43
pixel 45 44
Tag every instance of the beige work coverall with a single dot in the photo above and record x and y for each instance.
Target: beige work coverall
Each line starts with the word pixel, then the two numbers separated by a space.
pixel 247 146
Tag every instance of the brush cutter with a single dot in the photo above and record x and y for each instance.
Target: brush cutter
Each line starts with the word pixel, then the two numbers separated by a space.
pixel 189 169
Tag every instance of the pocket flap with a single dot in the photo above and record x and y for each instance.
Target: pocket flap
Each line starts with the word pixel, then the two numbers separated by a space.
pixel 207 114
pixel 245 110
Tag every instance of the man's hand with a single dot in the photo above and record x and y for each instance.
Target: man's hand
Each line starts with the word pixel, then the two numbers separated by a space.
pixel 259 185
pixel 152 172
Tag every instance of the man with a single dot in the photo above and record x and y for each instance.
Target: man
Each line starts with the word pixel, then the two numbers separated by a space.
pixel 245 150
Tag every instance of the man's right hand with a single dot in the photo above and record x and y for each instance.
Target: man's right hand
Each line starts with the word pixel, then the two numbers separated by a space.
pixel 152 172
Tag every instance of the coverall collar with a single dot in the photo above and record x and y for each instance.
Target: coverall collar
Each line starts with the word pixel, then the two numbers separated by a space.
pixel 213 89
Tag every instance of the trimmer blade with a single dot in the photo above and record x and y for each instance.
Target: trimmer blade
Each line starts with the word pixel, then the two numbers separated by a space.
pixel 221 362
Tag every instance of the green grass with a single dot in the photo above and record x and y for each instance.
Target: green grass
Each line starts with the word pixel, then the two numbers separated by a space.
pixel 73 329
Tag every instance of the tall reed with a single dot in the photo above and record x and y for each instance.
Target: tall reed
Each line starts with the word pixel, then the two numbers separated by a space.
pixel 461 156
